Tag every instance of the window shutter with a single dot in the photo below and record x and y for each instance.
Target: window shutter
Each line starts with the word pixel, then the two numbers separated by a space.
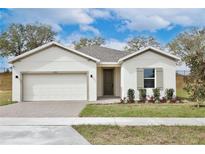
pixel 140 78
pixel 159 78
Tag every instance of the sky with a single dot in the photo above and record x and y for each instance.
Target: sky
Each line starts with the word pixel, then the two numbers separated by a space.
pixel 116 26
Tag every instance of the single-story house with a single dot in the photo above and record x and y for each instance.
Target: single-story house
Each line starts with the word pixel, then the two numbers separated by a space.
pixel 53 72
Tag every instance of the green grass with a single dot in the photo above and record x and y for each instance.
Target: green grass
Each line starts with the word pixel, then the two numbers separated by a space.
pixel 5 98
pixel 142 110
pixel 97 134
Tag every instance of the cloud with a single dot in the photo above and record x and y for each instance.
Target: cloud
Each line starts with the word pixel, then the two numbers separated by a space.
pixel 115 44
pixel 156 19
pixel 53 17
pixel 57 17
pixel 92 29
pixel 68 41
pixel 100 13
pixel 127 19
pixel 76 36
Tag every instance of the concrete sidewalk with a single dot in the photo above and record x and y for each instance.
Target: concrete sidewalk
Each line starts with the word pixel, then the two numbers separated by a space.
pixel 101 121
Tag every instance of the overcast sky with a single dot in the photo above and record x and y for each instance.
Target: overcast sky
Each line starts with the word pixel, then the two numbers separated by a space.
pixel 117 26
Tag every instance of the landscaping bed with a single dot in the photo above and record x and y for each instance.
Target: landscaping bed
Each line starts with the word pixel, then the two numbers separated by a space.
pixel 142 110
pixel 99 134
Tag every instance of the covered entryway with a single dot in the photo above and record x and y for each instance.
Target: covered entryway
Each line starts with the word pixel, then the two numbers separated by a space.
pixel 108 81
pixel 54 86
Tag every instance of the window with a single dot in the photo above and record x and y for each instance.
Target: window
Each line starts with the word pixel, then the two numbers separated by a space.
pixel 149 78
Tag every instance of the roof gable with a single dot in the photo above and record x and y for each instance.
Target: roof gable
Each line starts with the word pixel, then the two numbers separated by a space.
pixel 48 45
pixel 147 49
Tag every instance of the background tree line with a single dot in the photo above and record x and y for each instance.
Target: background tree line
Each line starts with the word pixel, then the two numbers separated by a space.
pixel 188 45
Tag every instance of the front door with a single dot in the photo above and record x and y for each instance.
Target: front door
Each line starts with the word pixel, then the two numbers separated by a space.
pixel 108 81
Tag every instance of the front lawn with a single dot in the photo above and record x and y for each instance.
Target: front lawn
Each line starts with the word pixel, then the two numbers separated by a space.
pixel 5 97
pixel 142 110
pixel 142 134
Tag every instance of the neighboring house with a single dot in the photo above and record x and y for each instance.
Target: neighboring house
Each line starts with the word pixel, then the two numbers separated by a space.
pixel 53 72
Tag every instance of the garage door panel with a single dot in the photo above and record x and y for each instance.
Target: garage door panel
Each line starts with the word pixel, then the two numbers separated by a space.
pixel 43 87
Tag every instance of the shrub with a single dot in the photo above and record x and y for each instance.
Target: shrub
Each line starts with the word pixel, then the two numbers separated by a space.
pixel 163 100
pixel 169 93
pixel 173 100
pixel 156 93
pixel 196 89
pixel 121 100
pixel 151 99
pixel 124 100
pixel 131 95
pixel 142 94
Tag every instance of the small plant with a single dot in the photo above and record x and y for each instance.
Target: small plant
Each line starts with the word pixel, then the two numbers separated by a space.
pixel 123 100
pixel 173 100
pixel 156 93
pixel 151 99
pixel 142 94
pixel 163 100
pixel 169 93
pixel 131 95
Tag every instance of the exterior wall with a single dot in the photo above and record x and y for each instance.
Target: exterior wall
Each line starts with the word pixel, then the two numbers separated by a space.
pixel 148 59
pixel 54 59
pixel 100 81
pixel 117 81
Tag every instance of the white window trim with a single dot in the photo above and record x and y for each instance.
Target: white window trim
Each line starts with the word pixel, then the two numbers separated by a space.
pixel 151 78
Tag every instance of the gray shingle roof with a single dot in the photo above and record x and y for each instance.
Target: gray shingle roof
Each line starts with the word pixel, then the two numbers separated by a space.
pixel 103 53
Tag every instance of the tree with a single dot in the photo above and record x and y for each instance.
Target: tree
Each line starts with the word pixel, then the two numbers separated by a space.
pixel 85 42
pixel 190 47
pixel 21 38
pixel 141 42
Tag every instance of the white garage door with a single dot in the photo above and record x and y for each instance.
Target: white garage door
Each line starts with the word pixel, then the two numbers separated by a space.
pixel 54 87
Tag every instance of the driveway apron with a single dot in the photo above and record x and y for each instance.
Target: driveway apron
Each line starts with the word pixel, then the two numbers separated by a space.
pixel 40 135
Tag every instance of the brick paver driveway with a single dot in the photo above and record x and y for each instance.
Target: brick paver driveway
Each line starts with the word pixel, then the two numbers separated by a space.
pixel 43 109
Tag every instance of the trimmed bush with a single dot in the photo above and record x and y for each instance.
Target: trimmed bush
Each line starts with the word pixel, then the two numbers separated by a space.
pixel 156 93
pixel 142 94
pixel 131 95
pixel 169 93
